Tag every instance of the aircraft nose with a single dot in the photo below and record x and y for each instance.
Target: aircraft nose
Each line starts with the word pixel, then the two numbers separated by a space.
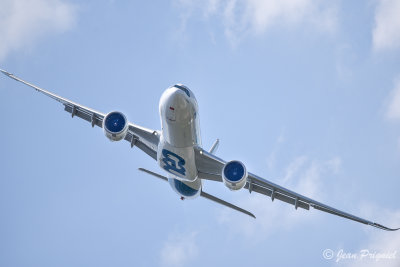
pixel 179 100
pixel 178 107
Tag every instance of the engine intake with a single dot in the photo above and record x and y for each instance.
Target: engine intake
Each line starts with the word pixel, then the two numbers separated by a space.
pixel 234 175
pixel 115 126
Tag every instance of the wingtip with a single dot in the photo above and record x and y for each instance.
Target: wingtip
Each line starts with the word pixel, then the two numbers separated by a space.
pixel 4 72
pixel 250 214
pixel 380 226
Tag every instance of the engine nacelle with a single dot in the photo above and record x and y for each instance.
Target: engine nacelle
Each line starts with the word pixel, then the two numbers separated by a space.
pixel 234 175
pixel 115 126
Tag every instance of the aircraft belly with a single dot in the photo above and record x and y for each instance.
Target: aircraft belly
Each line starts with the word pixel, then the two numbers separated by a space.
pixel 186 189
pixel 179 162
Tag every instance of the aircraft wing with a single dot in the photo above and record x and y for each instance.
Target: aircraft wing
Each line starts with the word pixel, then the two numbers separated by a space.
pixel 210 167
pixel 145 139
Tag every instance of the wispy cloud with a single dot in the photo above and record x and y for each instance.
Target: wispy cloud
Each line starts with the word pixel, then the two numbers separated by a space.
pixel 243 17
pixel 23 22
pixel 302 175
pixel 179 249
pixel 271 158
pixel 386 32
pixel 393 105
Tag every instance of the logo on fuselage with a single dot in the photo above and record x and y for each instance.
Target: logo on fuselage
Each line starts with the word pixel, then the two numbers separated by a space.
pixel 173 162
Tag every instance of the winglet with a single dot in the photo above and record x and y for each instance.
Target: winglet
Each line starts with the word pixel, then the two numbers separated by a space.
pixel 377 225
pixel 10 75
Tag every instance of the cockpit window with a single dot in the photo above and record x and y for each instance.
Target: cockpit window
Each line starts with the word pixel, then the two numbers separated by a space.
pixel 183 88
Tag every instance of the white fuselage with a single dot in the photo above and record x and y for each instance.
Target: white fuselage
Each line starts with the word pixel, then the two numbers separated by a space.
pixel 180 133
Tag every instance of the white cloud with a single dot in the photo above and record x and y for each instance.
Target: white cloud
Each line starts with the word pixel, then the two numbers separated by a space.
pixel 294 168
pixel 179 249
pixel 386 32
pixel 303 176
pixel 242 17
pixel 24 21
pixel 393 110
pixel 271 158
pixel 393 105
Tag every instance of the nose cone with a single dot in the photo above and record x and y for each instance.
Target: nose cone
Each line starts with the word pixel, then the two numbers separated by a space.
pixel 178 100
pixel 176 104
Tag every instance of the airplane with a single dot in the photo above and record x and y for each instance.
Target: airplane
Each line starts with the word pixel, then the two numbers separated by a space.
pixel 177 150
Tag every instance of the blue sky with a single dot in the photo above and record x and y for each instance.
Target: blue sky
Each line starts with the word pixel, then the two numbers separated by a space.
pixel 305 93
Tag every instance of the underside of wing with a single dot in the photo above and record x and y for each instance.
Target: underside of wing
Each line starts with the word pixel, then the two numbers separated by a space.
pixel 145 139
pixel 210 168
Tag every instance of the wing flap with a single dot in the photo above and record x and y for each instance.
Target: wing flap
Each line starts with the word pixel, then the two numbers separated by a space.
pixel 95 119
pixel 268 192
pixel 209 176
pixel 133 139
pixel 136 141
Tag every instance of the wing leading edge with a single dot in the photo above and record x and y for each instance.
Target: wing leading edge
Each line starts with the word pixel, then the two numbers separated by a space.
pixel 210 167
pixel 145 139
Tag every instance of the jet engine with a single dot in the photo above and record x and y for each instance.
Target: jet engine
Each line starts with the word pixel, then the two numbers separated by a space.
pixel 234 175
pixel 115 126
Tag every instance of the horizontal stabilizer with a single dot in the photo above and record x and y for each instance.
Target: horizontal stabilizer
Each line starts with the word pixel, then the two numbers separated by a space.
pixel 204 194
pixel 227 204
pixel 154 174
